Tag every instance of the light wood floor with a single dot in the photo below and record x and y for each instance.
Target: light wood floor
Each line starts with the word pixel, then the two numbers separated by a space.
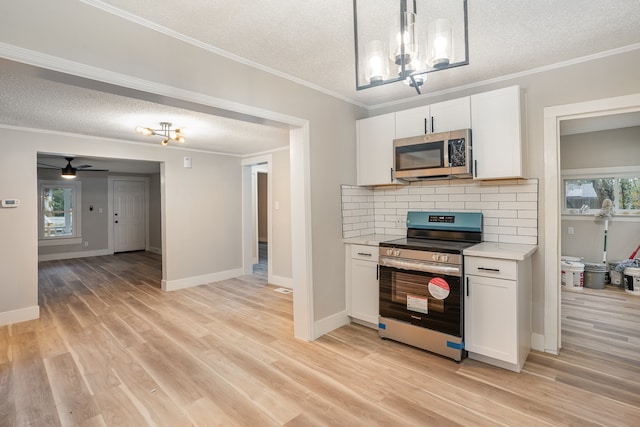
pixel 112 349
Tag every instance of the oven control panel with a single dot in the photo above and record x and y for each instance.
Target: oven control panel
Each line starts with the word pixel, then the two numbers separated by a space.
pixel 421 255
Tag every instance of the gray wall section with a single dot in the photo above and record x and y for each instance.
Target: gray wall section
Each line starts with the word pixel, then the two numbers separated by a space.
pixel 155 213
pixel 281 218
pixel 616 147
pixel 611 148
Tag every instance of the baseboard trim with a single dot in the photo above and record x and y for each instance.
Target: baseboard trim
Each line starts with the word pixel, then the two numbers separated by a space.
pixel 70 255
pixel 537 342
pixel 155 250
pixel 189 282
pixel 285 282
pixel 328 324
pixel 20 315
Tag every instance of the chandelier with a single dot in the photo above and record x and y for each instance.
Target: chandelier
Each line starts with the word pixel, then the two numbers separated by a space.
pixel 165 132
pixel 404 40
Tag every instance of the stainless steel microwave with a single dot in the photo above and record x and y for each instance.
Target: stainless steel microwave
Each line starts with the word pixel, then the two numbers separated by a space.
pixel 434 155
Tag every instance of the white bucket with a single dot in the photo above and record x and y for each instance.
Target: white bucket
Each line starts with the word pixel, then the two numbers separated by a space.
pixel 566 275
pixel 577 268
pixel 572 276
pixel 632 280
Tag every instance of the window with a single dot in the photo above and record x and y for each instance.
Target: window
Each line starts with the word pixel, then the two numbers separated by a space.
pixel 585 190
pixel 60 212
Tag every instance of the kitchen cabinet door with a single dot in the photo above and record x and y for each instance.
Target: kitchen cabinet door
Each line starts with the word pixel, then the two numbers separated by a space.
pixel 375 150
pixel 362 283
pixel 451 115
pixel 439 117
pixel 497 134
pixel 413 122
pixel 490 324
pixel 364 291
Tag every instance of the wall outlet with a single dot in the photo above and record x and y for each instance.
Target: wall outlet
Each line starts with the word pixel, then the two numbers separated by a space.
pixel 571 230
pixel 86 244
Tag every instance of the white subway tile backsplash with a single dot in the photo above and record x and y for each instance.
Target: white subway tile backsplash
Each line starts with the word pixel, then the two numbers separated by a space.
pixel 525 213
pixel 450 205
pixel 500 230
pixel 527 197
pixel 519 222
pixel 518 205
pixel 510 208
pixel 463 197
pixel 448 189
pixel 523 240
pixel 482 189
pixel 499 213
pixel 498 197
pixel 479 206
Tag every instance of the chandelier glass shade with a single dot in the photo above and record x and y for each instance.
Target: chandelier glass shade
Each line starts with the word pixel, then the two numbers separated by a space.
pixel 165 132
pixel 404 40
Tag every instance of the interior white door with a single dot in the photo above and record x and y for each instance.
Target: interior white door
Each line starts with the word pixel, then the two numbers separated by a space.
pixel 129 216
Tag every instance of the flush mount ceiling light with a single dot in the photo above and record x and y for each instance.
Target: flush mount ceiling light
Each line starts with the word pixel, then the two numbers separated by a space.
pixel 404 40
pixel 165 132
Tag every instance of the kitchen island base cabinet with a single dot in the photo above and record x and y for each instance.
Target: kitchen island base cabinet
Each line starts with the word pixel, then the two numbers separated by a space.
pixel 362 284
pixel 498 311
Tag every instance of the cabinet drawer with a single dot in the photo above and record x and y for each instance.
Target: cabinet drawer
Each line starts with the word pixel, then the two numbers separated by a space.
pixel 363 252
pixel 491 267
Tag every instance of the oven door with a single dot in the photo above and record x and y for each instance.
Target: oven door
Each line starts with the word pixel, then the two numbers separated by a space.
pixel 424 294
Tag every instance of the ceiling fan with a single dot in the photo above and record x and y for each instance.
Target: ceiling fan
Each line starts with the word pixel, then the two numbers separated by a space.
pixel 69 171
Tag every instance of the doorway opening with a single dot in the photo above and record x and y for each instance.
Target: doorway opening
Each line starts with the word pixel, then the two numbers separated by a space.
pixel 553 118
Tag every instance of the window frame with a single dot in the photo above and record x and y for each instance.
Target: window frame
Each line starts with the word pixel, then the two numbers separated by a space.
pixel 615 173
pixel 76 218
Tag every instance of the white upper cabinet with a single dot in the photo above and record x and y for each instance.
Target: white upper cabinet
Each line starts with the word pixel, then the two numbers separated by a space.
pixel 497 134
pixel 451 115
pixel 375 149
pixel 412 122
pixel 439 117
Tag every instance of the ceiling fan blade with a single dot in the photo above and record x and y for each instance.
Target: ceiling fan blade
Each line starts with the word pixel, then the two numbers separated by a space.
pixel 82 166
pixel 92 170
pixel 47 166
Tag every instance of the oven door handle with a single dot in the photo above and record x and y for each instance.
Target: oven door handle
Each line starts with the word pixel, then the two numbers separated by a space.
pixel 427 267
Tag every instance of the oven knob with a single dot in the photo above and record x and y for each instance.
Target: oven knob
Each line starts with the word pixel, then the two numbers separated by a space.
pixel 445 258
pixel 396 252
pixel 435 257
pixel 389 251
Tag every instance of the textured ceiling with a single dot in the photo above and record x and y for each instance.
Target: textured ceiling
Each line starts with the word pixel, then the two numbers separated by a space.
pixel 310 42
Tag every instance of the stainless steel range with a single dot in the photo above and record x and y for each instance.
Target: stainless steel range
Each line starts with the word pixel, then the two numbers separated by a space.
pixel 421 281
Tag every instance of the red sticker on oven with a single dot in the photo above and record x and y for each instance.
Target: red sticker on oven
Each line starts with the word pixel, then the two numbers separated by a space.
pixel 439 288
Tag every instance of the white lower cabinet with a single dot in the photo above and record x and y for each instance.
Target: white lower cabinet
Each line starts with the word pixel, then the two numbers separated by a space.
pixel 497 323
pixel 362 283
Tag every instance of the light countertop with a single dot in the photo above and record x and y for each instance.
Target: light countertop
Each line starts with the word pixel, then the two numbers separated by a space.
pixel 512 251
pixel 371 239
